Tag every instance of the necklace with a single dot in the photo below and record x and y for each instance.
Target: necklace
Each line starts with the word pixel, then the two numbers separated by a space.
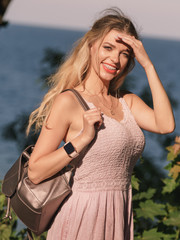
pixel 91 94
pixel 111 109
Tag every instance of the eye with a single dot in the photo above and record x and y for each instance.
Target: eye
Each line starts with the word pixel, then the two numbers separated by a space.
pixel 109 48
pixel 125 54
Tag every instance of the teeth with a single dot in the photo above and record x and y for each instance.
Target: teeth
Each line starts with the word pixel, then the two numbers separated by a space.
pixel 110 67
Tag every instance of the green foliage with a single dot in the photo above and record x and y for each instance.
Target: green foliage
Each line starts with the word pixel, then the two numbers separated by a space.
pixel 146 195
pixel 150 209
pixel 135 182
pixel 170 185
pixel 153 234
pixel 157 211
pixel 173 219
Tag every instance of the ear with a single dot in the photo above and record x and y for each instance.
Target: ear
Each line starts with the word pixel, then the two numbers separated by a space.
pixel 92 46
pixel 92 49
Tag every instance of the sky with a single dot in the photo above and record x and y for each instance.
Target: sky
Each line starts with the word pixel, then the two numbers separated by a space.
pixel 153 18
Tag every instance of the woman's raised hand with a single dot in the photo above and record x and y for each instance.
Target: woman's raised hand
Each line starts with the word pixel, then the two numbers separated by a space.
pixel 137 47
pixel 92 119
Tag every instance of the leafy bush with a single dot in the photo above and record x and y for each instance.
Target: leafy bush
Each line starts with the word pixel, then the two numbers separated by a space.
pixel 157 210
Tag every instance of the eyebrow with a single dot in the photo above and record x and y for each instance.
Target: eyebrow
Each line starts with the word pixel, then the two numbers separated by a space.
pixel 113 46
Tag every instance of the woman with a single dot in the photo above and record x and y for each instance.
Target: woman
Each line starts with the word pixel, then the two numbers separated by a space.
pixel 107 139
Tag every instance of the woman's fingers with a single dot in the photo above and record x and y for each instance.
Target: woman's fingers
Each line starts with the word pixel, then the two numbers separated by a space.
pixel 137 47
pixel 92 120
pixel 130 40
pixel 92 116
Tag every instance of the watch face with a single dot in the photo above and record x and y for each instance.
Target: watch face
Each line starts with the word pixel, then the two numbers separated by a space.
pixel 69 148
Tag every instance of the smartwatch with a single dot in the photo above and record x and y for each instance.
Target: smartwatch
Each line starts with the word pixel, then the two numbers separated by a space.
pixel 70 150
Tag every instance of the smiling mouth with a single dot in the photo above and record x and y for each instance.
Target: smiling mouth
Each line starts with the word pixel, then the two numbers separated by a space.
pixel 109 68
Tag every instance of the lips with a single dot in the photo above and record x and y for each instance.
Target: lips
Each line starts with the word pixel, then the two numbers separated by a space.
pixel 109 68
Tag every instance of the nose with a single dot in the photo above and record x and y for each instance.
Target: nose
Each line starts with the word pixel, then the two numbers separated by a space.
pixel 115 58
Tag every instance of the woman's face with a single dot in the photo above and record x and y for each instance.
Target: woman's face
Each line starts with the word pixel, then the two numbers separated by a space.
pixel 109 57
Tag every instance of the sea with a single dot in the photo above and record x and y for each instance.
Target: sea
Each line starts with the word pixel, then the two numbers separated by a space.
pixel 22 49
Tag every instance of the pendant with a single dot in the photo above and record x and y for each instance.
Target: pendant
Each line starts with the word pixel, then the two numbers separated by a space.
pixel 112 112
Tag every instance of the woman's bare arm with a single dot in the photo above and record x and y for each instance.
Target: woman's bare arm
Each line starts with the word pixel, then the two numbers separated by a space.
pixel 160 119
pixel 47 159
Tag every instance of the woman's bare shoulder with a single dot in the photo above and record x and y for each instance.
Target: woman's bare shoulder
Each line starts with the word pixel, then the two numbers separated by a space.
pixel 128 97
pixel 62 108
pixel 133 100
pixel 65 101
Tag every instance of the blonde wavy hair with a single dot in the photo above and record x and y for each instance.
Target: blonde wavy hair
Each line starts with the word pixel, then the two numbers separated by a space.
pixel 76 65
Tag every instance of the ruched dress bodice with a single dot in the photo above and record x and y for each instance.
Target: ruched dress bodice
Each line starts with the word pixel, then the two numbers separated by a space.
pixel 100 207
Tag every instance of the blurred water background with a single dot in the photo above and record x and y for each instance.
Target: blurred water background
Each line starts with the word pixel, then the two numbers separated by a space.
pixel 21 51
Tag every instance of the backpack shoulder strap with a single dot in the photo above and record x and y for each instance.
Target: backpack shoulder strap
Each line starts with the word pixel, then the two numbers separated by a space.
pixel 79 98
